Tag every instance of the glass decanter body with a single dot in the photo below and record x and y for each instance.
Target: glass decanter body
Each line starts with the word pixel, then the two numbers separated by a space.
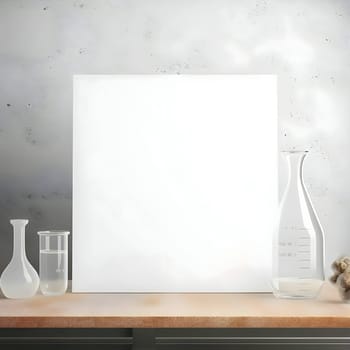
pixel 298 247
pixel 19 279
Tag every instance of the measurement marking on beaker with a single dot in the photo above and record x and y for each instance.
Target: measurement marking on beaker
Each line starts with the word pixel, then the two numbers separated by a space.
pixel 304 267
pixel 300 260
pixel 294 228
pixel 303 245
pixel 304 237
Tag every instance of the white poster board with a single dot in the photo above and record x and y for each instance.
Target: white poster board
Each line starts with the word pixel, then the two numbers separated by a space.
pixel 174 182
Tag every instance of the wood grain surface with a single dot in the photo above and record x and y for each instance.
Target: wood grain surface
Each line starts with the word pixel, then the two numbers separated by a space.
pixel 175 311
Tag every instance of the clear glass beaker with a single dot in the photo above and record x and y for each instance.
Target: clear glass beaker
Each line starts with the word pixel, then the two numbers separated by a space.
pixel 298 247
pixel 53 263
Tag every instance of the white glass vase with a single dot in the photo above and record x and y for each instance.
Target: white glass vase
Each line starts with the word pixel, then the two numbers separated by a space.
pixel 298 266
pixel 19 279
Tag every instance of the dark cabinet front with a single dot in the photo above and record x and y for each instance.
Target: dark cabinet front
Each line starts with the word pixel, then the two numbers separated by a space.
pixel 175 339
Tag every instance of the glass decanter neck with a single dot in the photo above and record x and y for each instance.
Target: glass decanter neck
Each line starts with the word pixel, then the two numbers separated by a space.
pixel 295 160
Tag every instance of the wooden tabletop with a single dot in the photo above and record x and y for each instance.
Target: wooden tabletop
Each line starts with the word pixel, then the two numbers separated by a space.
pixel 175 311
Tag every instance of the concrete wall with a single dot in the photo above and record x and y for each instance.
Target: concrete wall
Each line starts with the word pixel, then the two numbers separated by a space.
pixel 43 43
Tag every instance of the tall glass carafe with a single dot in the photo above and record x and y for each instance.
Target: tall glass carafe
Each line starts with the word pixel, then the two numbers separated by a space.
pixel 298 247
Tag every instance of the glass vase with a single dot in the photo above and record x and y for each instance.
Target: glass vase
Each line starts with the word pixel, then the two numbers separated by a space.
pixel 19 279
pixel 298 247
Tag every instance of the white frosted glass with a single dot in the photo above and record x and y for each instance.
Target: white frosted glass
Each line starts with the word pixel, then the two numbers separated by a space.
pixel 174 182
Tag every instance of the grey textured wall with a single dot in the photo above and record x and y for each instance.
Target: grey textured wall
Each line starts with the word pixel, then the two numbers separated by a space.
pixel 43 43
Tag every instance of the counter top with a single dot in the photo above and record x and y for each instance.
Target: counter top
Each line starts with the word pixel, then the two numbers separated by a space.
pixel 175 311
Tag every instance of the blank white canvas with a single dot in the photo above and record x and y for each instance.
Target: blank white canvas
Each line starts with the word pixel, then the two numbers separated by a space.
pixel 174 182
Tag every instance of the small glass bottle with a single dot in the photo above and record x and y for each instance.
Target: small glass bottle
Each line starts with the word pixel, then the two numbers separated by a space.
pixel 53 264
pixel 298 247
pixel 19 279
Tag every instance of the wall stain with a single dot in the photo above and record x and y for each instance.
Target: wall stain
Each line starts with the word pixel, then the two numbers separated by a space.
pixel 28 133
pixel 29 196
pixel 148 35
pixel 175 68
pixel 35 213
pixel 47 196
